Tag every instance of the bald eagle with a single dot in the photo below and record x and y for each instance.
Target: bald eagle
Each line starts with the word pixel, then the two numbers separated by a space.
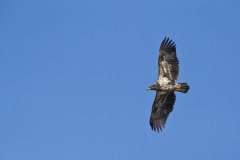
pixel 168 70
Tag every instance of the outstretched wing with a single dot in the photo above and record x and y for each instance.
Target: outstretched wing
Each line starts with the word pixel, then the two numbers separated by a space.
pixel 168 69
pixel 162 106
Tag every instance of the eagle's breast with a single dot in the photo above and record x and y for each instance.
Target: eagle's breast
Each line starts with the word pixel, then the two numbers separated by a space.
pixel 163 81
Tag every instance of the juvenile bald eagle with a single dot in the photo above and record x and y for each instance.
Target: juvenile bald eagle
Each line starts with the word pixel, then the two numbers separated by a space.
pixel 168 70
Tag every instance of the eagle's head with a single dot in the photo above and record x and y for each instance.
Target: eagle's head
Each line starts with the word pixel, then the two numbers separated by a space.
pixel 153 87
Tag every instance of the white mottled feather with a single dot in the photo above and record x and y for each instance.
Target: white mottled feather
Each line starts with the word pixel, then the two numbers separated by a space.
pixel 167 68
pixel 163 80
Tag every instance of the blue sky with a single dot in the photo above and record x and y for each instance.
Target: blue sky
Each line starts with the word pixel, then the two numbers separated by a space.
pixel 74 78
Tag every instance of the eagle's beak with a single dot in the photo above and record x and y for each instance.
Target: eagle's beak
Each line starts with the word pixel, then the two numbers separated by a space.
pixel 148 89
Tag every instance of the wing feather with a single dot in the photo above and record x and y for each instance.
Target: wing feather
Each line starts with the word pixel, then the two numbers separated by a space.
pixel 168 62
pixel 162 106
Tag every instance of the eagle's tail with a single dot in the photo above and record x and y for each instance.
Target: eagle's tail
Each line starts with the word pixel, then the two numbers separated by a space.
pixel 182 87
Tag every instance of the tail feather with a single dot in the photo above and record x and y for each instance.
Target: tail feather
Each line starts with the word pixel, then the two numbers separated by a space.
pixel 182 87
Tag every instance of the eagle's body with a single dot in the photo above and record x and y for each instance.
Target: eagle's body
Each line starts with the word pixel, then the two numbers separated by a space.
pixel 168 70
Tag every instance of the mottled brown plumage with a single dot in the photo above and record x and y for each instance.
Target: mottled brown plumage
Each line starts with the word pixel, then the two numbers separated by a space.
pixel 168 71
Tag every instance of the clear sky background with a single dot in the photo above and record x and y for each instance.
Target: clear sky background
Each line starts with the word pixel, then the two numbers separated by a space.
pixel 74 77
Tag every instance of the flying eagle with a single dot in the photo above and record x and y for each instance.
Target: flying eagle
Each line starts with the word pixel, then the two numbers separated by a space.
pixel 168 70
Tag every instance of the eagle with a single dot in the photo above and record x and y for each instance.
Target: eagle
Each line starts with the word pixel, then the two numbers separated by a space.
pixel 168 71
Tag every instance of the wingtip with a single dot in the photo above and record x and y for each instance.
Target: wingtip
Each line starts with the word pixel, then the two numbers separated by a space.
pixel 167 43
pixel 156 127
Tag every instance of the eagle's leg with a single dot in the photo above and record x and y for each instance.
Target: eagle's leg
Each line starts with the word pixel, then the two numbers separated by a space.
pixel 182 87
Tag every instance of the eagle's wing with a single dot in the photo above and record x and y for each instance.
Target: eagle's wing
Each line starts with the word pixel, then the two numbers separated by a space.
pixel 168 69
pixel 162 106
